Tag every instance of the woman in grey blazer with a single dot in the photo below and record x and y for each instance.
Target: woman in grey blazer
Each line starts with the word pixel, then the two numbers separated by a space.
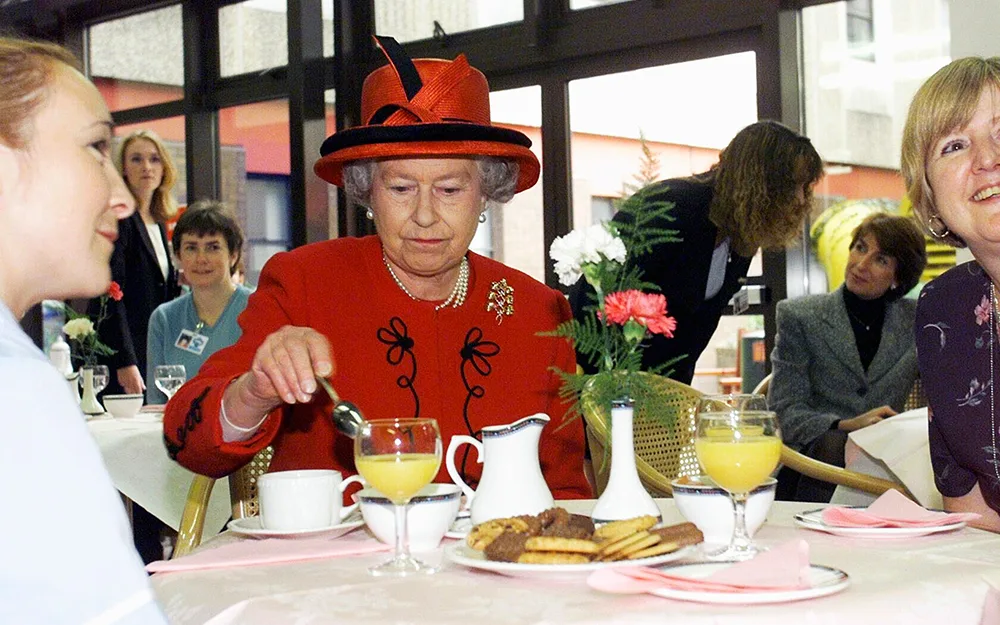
pixel 845 360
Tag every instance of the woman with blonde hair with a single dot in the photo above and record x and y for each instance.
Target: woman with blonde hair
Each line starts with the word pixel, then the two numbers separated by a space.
pixel 142 263
pixel 756 196
pixel 60 204
pixel 951 166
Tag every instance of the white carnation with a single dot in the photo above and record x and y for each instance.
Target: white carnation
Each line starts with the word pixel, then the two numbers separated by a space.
pixel 78 328
pixel 584 247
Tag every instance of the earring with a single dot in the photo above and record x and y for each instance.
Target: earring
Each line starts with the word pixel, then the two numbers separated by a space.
pixel 370 215
pixel 482 217
pixel 930 227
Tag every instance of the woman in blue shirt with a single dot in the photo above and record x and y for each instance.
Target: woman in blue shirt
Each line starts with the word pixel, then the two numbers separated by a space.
pixel 207 242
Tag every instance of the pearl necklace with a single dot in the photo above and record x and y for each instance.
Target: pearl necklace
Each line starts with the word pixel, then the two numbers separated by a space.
pixel 458 293
pixel 993 339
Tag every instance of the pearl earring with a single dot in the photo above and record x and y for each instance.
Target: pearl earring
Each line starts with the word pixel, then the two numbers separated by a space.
pixel 370 215
pixel 482 217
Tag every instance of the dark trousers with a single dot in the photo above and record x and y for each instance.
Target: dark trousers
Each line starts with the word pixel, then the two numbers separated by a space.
pixel 146 534
pixel 793 486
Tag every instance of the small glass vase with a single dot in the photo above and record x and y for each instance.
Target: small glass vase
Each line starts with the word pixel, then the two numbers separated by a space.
pixel 625 497
pixel 88 398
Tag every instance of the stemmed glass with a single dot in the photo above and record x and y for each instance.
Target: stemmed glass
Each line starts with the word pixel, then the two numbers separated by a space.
pixel 738 443
pixel 398 457
pixel 169 378
pixel 101 375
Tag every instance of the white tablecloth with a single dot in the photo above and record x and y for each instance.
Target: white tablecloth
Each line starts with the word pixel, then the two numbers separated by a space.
pixel 896 449
pixel 930 580
pixel 137 460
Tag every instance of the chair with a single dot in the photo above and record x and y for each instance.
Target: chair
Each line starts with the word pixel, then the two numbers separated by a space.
pixel 242 494
pixel 661 454
pixel 815 469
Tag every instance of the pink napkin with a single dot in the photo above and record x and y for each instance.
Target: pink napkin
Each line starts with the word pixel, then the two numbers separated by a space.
pixel 271 551
pixel 892 509
pixel 785 567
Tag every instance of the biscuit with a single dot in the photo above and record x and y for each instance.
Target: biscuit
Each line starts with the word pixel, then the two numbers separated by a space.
pixel 486 532
pixel 552 557
pixel 646 542
pixel 562 545
pixel 610 547
pixel 656 550
pixel 506 547
pixel 682 534
pixel 625 527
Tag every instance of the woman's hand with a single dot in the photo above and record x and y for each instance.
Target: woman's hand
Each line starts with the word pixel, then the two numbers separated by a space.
pixel 865 419
pixel 130 380
pixel 284 370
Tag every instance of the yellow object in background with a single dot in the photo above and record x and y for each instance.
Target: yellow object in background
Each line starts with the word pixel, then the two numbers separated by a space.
pixel 831 238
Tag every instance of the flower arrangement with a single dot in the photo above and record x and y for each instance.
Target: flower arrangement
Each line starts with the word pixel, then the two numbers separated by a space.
pixel 623 313
pixel 82 331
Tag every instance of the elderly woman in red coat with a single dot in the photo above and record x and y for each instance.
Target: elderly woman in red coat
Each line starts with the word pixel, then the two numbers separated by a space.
pixel 408 323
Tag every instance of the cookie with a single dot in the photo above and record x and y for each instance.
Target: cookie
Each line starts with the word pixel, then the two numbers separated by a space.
pixel 506 547
pixel 645 542
pixel 562 545
pixel 551 557
pixel 656 550
pixel 625 527
pixel 613 546
pixel 483 534
pixel 682 534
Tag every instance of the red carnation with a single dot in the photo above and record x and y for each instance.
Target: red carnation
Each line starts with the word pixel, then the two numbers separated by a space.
pixel 115 291
pixel 647 309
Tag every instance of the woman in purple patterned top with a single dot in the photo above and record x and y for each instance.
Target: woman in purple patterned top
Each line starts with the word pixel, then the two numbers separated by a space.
pixel 951 165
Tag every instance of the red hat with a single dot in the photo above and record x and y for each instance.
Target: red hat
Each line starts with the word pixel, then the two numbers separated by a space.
pixel 425 108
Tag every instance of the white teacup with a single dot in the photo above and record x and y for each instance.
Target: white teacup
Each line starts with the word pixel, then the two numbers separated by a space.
pixel 709 507
pixel 430 513
pixel 308 499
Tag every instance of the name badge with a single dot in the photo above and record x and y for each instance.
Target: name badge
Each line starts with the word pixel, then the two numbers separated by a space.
pixel 189 341
pixel 741 301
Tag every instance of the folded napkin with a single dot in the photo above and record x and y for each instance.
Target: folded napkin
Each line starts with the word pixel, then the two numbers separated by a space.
pixel 892 509
pixel 251 552
pixel 784 567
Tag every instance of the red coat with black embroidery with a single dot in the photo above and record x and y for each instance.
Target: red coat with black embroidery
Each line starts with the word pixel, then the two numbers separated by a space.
pixel 395 357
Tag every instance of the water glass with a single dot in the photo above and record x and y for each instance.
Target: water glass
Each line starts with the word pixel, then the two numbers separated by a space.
pixel 101 377
pixel 169 378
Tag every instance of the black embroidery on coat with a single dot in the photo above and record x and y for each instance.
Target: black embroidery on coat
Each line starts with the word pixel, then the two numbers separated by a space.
pixel 193 418
pixel 476 353
pixel 397 337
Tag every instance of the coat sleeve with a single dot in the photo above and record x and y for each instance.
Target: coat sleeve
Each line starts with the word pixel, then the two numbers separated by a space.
pixel 155 354
pixel 192 427
pixel 790 391
pixel 114 329
pixel 563 440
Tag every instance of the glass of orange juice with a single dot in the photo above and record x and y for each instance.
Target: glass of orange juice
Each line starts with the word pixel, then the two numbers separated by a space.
pixel 738 444
pixel 398 457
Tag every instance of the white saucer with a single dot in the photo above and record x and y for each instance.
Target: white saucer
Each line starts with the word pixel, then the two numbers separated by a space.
pixel 250 526
pixel 462 554
pixel 823 581
pixel 813 520
pixel 459 528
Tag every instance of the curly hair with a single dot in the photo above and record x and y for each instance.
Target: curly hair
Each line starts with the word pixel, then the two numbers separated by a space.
pixel 900 238
pixel 163 206
pixel 497 179
pixel 756 184
pixel 947 101
pixel 27 69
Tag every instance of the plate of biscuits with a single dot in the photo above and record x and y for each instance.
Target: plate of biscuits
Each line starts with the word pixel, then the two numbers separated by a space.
pixel 556 543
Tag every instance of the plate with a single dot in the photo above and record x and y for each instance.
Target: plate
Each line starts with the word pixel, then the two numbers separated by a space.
pixel 250 526
pixel 459 528
pixel 462 554
pixel 824 580
pixel 813 520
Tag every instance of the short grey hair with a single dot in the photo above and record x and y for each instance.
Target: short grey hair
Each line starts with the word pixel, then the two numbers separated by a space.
pixel 497 178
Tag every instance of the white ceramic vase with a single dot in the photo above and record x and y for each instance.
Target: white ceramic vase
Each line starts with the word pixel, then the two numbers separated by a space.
pixel 625 497
pixel 88 399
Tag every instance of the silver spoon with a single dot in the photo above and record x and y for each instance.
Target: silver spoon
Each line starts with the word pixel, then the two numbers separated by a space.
pixel 346 416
